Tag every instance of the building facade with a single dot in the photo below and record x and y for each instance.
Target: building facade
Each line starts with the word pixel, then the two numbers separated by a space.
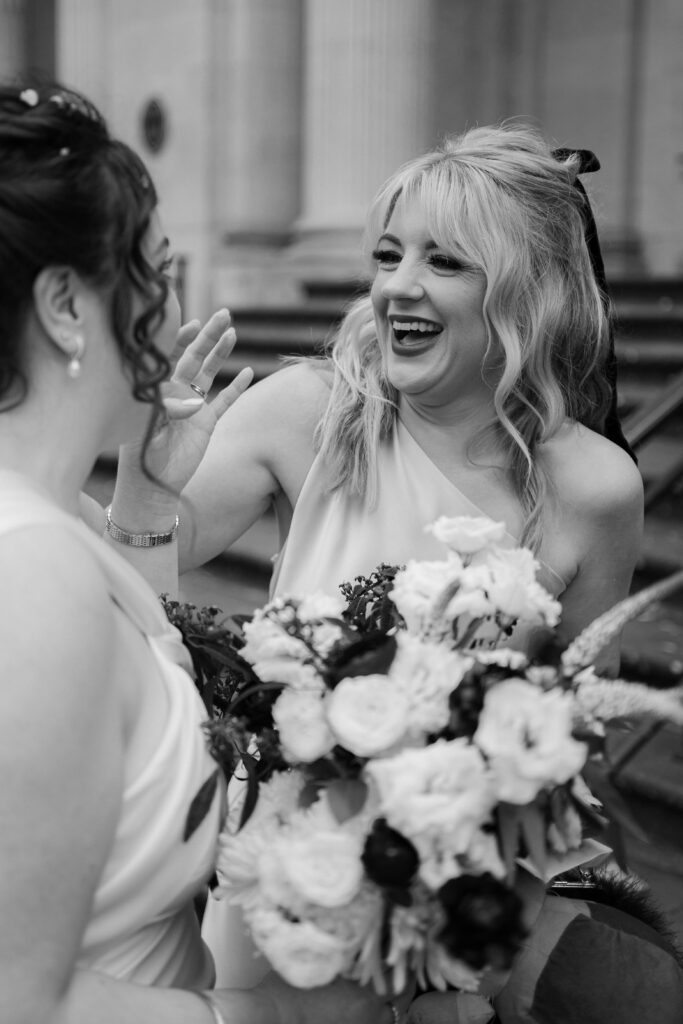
pixel 269 124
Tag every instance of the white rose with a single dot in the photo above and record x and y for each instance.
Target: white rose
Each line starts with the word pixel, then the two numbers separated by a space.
pixel 368 714
pixel 441 791
pixel 300 719
pixel 428 673
pixel 418 587
pixel 467 534
pixel 324 868
pixel 526 734
pixel 304 955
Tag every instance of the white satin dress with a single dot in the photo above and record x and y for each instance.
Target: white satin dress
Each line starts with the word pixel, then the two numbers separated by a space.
pixel 143 927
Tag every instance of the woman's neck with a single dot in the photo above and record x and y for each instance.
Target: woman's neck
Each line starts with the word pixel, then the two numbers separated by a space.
pixel 460 427
pixel 56 453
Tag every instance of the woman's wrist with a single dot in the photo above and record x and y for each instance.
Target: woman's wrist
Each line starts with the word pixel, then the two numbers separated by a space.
pixel 140 504
pixel 143 538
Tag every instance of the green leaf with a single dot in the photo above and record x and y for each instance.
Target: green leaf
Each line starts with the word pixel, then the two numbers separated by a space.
pixel 346 797
pixel 372 654
pixel 251 766
pixel 533 832
pixel 200 805
pixel 509 833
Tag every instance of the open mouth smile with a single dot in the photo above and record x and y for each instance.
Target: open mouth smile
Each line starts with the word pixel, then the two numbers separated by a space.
pixel 412 330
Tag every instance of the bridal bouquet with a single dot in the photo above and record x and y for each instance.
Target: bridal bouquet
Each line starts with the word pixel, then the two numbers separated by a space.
pixel 401 759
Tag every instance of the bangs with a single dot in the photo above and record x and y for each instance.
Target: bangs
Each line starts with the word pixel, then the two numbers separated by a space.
pixel 442 194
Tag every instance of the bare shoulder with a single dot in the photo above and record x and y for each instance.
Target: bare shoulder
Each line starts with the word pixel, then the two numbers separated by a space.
pixel 64 600
pixel 592 474
pixel 297 393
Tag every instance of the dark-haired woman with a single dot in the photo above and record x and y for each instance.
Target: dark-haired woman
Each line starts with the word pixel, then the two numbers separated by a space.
pixel 101 747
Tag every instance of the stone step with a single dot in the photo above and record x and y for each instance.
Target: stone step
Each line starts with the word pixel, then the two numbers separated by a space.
pixel 261 346
pixel 664 292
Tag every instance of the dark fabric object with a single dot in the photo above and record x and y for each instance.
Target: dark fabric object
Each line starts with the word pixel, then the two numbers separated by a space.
pixel 589 163
pixel 587 963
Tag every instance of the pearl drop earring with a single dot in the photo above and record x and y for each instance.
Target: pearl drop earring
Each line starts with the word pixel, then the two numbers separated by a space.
pixel 73 368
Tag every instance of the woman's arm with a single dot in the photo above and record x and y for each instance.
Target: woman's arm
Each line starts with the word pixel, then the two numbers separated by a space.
pixel 63 721
pixel 599 497
pixel 61 761
pixel 261 448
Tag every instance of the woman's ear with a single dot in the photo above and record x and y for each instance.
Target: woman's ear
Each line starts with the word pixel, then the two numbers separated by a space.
pixel 59 307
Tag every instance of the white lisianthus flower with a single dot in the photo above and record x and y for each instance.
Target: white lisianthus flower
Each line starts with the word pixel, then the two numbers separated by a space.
pixel 266 639
pixel 314 607
pixel 474 603
pixel 239 851
pixel 467 534
pixel 505 657
pixel 467 851
pixel 300 952
pixel 567 833
pixel 428 673
pixel 442 791
pixel 527 735
pixel 324 868
pixel 368 714
pixel 300 719
pixel 295 674
pixel 513 589
pixel 324 636
pixel 417 588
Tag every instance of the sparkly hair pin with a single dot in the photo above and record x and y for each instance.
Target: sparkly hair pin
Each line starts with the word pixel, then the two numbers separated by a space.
pixel 73 104
pixel 30 97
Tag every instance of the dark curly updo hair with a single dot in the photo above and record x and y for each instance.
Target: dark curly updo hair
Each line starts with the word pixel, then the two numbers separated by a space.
pixel 71 195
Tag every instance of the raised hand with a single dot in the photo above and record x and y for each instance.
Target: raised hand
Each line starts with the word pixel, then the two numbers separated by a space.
pixel 178 446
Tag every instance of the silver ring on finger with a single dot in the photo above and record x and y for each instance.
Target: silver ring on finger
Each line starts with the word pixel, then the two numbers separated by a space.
pixel 200 391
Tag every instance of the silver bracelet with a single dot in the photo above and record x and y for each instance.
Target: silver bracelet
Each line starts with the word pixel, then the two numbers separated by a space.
pixel 140 540
pixel 396 1016
pixel 212 1005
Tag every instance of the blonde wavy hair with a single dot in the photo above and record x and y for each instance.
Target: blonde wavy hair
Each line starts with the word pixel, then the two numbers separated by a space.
pixel 497 196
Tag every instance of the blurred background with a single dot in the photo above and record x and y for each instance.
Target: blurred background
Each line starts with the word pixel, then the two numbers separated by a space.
pixel 268 125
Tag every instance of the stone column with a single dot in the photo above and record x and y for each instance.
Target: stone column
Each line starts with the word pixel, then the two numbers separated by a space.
pixel 12 38
pixel 257 145
pixel 657 192
pixel 82 31
pixel 593 99
pixel 367 109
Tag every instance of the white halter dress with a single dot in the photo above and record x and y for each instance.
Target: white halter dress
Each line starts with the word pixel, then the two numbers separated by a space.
pixel 143 927
pixel 335 537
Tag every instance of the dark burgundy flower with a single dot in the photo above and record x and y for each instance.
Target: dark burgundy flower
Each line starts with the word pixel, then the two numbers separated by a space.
pixel 388 857
pixel 483 921
pixel 466 702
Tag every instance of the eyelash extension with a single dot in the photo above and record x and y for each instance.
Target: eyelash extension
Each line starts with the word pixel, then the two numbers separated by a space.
pixel 446 262
pixel 383 255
